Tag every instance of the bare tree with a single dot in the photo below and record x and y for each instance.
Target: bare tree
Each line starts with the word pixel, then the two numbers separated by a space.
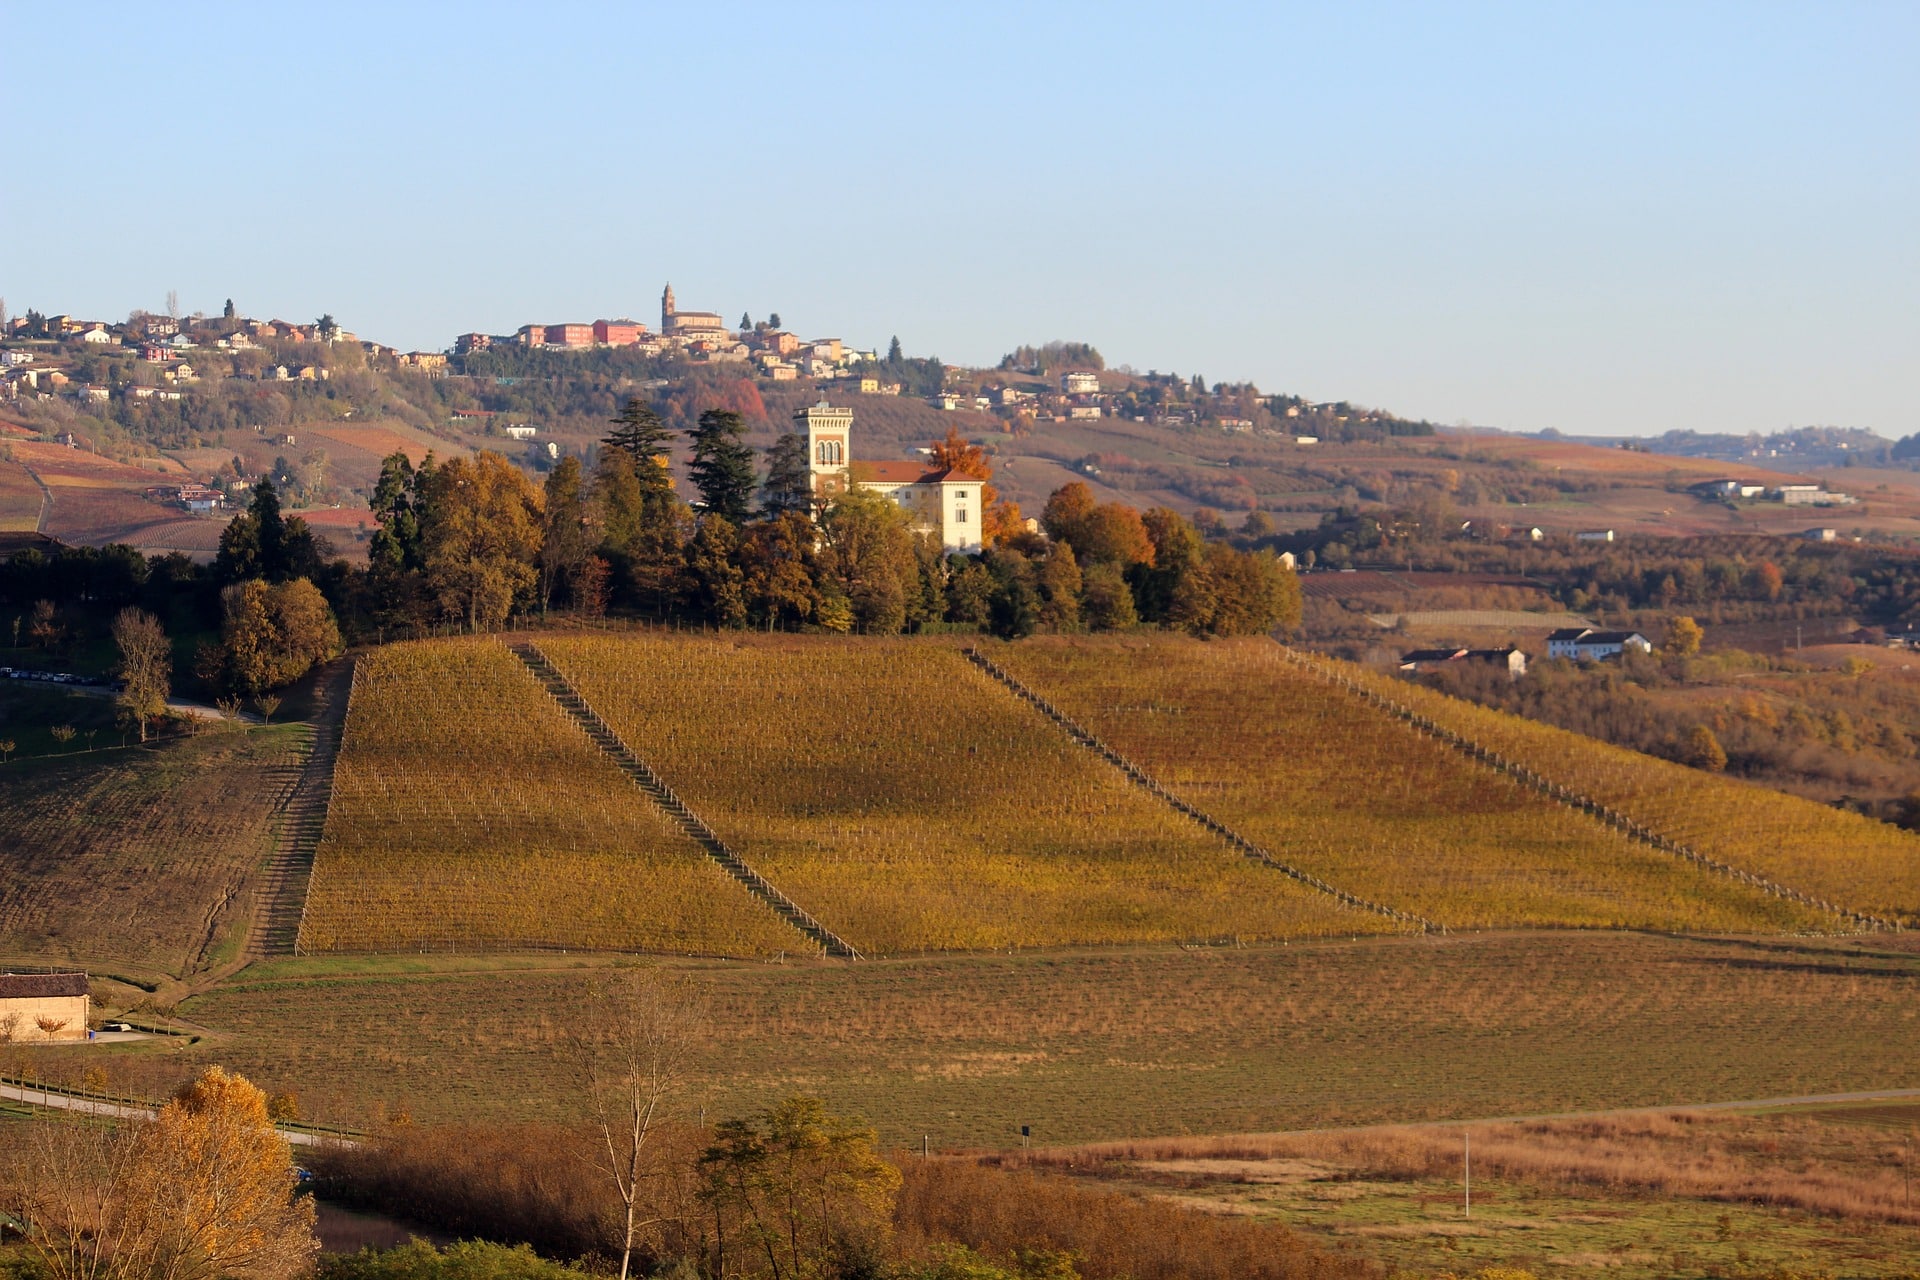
pixel 629 1054
pixel 145 665
pixel 173 303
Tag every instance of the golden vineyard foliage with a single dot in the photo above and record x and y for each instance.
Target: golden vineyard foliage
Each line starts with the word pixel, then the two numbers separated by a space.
pixel 912 804
pixel 1350 793
pixel 470 813
pixel 1844 858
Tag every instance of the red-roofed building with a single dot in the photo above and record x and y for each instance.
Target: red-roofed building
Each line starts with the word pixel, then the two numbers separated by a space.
pixel 941 502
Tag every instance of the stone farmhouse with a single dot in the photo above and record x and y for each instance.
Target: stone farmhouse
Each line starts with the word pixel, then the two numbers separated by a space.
pixel 941 501
pixel 38 1007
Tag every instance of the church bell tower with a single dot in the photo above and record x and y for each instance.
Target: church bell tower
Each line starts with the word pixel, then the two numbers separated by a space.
pixel 666 309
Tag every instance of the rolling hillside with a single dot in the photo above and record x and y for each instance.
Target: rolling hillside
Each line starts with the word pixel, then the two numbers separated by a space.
pixel 914 804
pixel 1359 798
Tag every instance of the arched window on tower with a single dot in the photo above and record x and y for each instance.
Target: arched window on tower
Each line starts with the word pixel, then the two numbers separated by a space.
pixel 828 453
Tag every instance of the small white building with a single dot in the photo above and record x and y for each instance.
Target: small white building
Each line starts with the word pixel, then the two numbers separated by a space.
pixel 1585 644
pixel 1080 383
pixel 1594 535
pixel 520 430
pixel 41 1007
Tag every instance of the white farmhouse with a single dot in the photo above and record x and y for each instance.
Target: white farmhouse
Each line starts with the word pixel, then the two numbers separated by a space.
pixel 1584 644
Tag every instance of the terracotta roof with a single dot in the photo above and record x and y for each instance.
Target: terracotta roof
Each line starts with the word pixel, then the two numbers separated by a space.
pixel 41 986
pixel 909 473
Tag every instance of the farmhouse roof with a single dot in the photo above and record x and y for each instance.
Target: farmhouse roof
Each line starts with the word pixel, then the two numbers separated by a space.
pixel 1587 635
pixel 897 472
pixel 41 986
pixel 1432 655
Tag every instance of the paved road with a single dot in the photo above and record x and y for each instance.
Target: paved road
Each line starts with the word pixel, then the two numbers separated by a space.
pixel 94 1107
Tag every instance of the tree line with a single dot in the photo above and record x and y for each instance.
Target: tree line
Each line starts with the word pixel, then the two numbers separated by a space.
pixel 475 541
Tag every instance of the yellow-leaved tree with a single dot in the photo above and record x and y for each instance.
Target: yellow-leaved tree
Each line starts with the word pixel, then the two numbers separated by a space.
pixel 203 1190
pixel 481 534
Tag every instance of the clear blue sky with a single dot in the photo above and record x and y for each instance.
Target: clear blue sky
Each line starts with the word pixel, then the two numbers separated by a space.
pixel 1603 218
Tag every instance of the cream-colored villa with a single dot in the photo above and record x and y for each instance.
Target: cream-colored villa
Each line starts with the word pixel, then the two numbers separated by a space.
pixel 942 502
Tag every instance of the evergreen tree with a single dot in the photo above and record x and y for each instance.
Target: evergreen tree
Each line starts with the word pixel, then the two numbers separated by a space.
pixel 229 313
pixel 789 483
pixel 723 466
pixel 639 432
pixel 894 355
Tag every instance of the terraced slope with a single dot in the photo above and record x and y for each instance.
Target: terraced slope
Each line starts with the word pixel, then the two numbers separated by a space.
pixel 1350 793
pixel 913 805
pixel 469 813
pixel 1847 859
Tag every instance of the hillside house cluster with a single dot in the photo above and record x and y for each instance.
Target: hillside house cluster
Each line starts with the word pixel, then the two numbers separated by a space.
pixel 703 336
pixel 37 353
pixel 1791 495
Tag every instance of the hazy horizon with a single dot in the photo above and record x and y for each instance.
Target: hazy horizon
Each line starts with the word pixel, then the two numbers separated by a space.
pixel 1609 223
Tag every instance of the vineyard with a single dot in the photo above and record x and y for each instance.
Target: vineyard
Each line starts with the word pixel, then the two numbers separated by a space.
pixel 1350 793
pixel 469 814
pixel 1101 1043
pixel 912 805
pixel 1843 857
pixel 133 857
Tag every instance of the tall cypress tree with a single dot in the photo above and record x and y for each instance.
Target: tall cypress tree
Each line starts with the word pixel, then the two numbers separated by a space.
pixel 722 467
pixel 789 483
pixel 271 529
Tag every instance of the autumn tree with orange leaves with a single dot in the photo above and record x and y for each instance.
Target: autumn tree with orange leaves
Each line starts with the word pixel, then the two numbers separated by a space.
pixel 1000 519
pixel 204 1190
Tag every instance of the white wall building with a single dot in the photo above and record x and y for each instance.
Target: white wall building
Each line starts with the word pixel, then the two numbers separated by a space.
pixel 941 502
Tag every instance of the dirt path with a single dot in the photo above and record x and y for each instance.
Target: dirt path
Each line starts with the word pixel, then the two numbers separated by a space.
pixel 92 1106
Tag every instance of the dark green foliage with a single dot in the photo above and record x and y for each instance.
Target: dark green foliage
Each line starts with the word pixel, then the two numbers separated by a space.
pixel 722 467
pixel 1013 608
pixel 262 543
pixel 639 433
pixel 789 483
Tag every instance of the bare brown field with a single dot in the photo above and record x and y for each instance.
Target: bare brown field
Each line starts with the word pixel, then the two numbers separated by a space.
pixel 20 499
pixel 1573 456
pixel 139 857
pixel 198 537
pixel 373 441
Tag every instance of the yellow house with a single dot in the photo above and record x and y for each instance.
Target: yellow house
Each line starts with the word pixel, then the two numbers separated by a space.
pixel 43 1006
